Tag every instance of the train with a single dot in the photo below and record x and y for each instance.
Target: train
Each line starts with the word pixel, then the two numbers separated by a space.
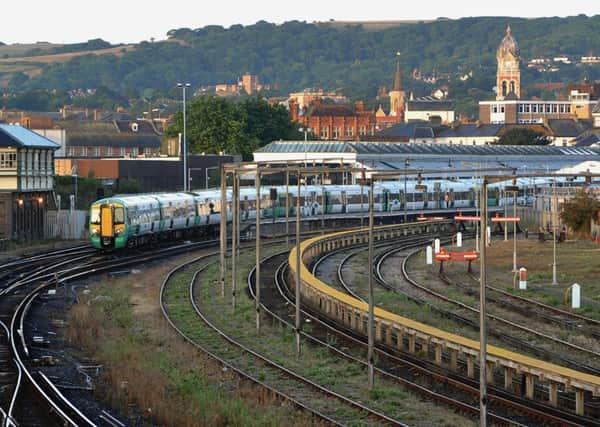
pixel 133 220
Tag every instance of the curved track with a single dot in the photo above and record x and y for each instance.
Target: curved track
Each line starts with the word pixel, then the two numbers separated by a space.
pixel 521 406
pixel 509 338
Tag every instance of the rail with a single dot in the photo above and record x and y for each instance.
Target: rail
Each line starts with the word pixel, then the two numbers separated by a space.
pixel 390 327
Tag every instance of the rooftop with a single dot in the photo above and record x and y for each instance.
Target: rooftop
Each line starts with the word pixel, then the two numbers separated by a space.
pixel 383 148
pixel 13 135
pixel 429 103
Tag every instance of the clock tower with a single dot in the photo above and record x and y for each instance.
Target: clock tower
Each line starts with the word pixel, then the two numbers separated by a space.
pixel 508 76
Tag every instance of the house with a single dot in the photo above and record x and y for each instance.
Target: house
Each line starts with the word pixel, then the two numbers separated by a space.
pixel 424 108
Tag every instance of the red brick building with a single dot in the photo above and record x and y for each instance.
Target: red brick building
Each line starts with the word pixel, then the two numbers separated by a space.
pixel 335 122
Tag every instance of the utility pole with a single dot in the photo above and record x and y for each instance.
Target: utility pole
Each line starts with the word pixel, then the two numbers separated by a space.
pixel 515 194
pixel 371 297
pixel 322 203
pixel 223 229
pixel 482 324
pixel 298 262
pixel 287 207
pixel 554 211
pixel 234 232
pixel 257 252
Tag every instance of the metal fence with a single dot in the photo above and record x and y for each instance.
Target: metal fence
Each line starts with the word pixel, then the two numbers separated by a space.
pixel 65 224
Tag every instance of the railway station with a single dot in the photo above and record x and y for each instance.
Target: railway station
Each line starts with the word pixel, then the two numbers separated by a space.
pixel 444 158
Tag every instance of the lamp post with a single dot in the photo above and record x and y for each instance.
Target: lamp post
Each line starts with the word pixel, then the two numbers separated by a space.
pixel 74 175
pixel 306 130
pixel 406 165
pixel 183 87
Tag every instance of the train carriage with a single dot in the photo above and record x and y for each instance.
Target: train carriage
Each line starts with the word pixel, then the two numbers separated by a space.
pixel 131 220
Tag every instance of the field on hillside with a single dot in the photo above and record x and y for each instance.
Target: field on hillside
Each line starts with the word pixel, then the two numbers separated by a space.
pixel 21 49
pixel 33 65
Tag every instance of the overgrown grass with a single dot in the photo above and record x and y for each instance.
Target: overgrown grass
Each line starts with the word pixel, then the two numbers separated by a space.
pixel 146 365
pixel 317 363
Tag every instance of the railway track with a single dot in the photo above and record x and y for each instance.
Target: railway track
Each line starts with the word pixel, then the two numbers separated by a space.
pixel 406 370
pixel 554 315
pixel 461 318
pixel 530 335
pixel 560 415
pixel 322 403
pixel 30 397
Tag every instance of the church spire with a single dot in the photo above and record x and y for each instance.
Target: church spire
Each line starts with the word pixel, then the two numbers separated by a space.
pixel 508 31
pixel 397 79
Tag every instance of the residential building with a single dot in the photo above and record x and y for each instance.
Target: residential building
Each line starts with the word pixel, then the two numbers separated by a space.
pixel 335 122
pixel 117 138
pixel 596 115
pixel 428 107
pixel 307 96
pixel 427 132
pixel 250 83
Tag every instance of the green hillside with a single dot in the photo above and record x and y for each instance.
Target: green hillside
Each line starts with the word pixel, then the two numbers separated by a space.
pixel 348 56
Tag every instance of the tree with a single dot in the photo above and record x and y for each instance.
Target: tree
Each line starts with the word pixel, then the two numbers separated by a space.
pixel 215 124
pixel 523 136
pixel 579 211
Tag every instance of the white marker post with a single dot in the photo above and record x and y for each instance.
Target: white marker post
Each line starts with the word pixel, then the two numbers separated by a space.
pixel 429 255
pixel 436 246
pixel 459 239
pixel 575 296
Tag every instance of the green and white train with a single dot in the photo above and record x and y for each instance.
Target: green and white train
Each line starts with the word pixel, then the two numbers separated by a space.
pixel 126 221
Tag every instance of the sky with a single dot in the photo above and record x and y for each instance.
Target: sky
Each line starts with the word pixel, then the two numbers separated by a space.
pixel 123 21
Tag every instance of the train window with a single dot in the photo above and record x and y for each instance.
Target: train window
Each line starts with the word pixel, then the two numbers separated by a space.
pixel 119 216
pixel 95 215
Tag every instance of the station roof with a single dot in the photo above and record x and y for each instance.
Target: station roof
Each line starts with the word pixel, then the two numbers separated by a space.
pixel 436 149
pixel 12 135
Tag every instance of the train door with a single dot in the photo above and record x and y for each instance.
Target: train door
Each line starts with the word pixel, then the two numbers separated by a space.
pixel 386 201
pixel 344 201
pixel 106 221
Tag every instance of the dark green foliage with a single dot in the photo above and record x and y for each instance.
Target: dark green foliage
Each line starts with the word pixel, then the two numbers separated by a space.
pixel 578 212
pixel 296 55
pixel 36 100
pixel 103 98
pixel 128 186
pixel 216 124
pixel 523 136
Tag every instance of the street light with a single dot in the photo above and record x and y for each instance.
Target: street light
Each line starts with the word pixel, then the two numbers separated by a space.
pixel 183 87
pixel 306 130
pixel 74 175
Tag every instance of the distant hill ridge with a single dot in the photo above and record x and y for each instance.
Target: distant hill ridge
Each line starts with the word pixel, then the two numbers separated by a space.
pixel 332 55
